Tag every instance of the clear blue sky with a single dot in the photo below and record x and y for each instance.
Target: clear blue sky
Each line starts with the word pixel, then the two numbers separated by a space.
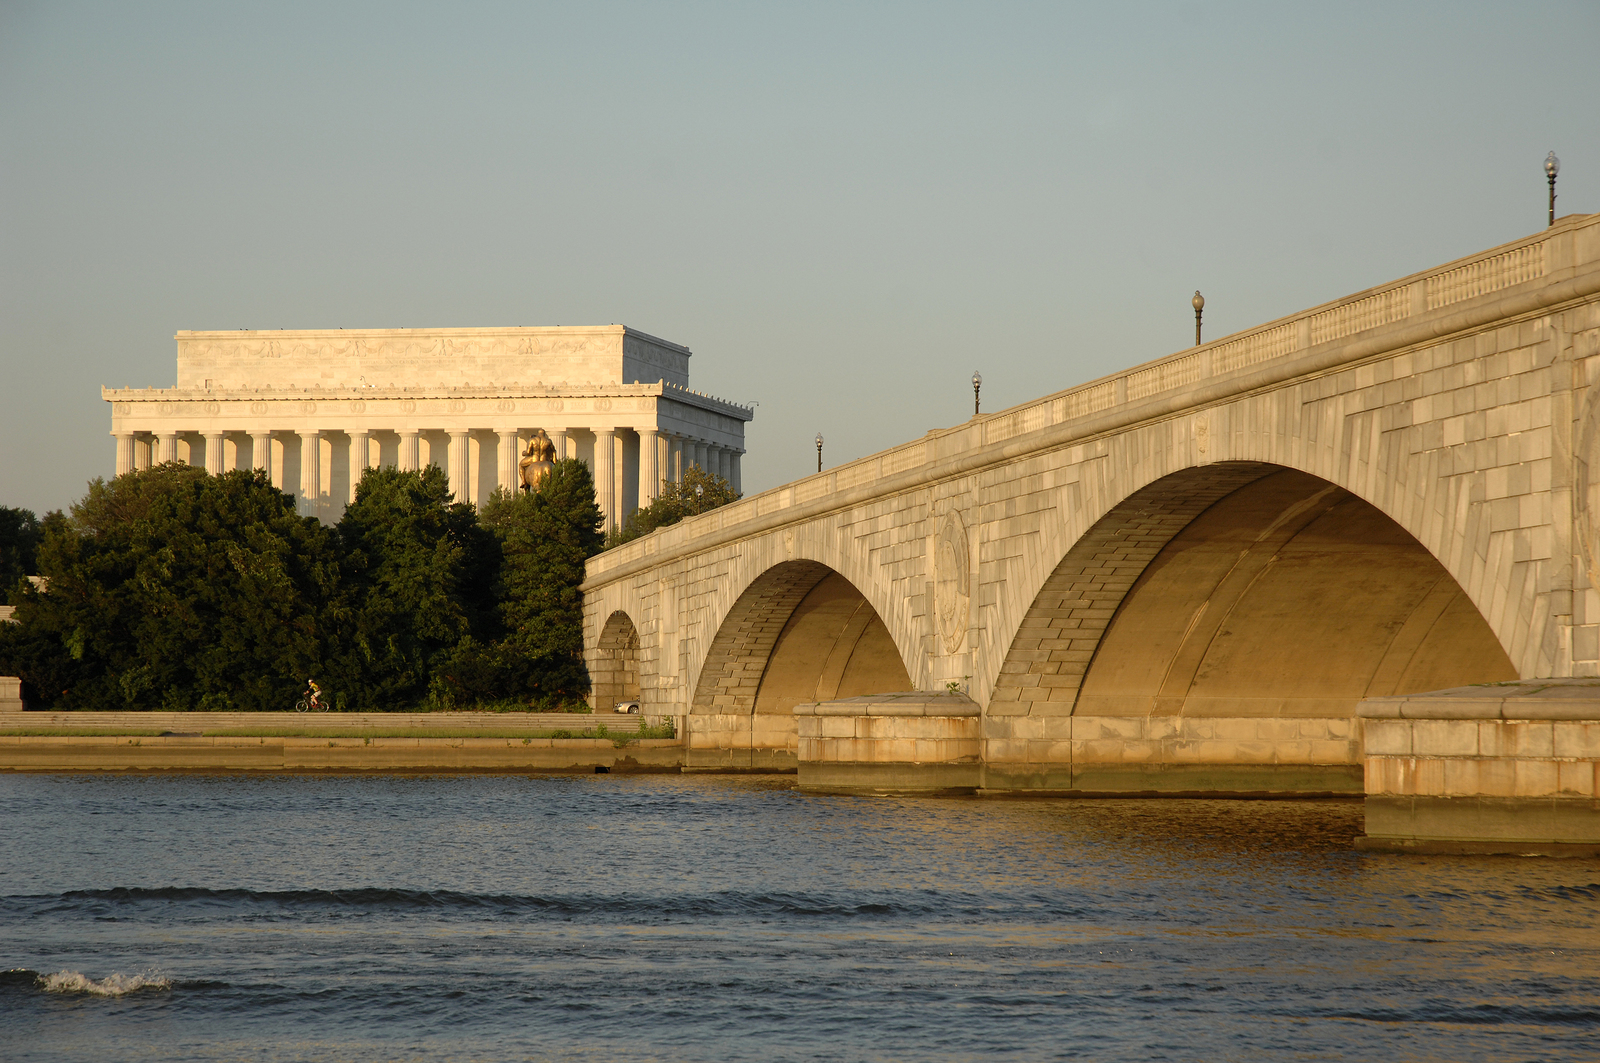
pixel 842 209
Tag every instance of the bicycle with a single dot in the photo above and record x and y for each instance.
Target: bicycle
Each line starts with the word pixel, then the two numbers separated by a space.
pixel 306 705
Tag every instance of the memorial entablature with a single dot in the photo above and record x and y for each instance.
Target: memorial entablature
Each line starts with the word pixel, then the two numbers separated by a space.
pixel 463 399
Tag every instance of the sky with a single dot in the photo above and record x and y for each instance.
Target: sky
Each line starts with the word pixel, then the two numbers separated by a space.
pixel 842 209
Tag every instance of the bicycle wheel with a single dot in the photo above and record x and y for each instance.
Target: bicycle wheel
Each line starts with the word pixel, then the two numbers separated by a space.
pixel 302 705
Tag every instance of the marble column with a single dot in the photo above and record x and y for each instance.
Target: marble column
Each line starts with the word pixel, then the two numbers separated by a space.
pixel 124 452
pixel 261 452
pixel 214 441
pixel 311 472
pixel 649 466
pixel 167 444
pixel 507 456
pixel 563 444
pixel 410 451
pixel 460 474
pixel 674 459
pixel 700 454
pixel 144 453
pixel 605 475
pixel 360 457
pixel 733 471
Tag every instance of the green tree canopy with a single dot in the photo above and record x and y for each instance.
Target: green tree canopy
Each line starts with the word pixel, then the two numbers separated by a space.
pixel 545 536
pixel 19 545
pixel 418 572
pixel 698 492
pixel 169 588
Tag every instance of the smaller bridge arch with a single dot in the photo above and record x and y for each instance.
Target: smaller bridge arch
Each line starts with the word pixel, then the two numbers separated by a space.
pixel 614 666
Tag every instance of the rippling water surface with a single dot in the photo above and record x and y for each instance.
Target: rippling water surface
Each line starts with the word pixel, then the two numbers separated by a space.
pixel 715 918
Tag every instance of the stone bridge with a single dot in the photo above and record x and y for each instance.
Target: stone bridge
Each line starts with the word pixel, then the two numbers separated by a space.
pixel 1183 577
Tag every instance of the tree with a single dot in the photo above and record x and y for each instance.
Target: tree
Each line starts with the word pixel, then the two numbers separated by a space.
pixel 698 492
pixel 418 573
pixel 169 588
pixel 19 545
pixel 545 537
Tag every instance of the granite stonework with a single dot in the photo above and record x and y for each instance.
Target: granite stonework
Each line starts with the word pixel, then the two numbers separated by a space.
pixel 1501 768
pixel 1446 425
pixel 318 407
pixel 912 742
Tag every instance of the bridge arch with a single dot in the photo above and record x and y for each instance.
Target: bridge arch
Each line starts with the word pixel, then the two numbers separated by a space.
pixel 614 666
pixel 1243 589
pixel 800 631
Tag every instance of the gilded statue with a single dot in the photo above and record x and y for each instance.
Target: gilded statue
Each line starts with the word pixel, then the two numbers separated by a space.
pixel 537 461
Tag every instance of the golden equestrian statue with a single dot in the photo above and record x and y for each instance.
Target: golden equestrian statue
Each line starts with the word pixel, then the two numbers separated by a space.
pixel 537 461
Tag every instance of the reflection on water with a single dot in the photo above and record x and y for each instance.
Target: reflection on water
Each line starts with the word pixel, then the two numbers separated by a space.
pixel 609 917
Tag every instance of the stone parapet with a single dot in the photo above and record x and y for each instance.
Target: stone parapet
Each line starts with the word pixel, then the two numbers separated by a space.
pixel 1499 768
pixel 10 694
pixel 196 723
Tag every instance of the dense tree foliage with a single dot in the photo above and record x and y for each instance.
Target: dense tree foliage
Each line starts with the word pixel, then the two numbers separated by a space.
pixel 698 492
pixel 19 545
pixel 176 590
pixel 172 589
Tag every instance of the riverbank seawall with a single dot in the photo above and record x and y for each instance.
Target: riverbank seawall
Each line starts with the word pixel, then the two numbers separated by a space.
pixel 333 742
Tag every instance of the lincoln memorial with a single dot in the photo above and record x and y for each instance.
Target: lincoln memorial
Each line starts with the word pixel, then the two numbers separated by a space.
pixel 316 407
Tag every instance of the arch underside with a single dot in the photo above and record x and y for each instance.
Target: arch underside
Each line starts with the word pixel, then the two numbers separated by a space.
pixel 801 632
pixel 614 670
pixel 1239 590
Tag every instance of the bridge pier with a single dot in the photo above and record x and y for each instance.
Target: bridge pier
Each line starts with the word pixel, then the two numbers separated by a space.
pixel 1508 768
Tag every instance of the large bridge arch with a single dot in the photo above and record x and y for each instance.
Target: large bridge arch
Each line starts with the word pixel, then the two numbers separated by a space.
pixel 1243 589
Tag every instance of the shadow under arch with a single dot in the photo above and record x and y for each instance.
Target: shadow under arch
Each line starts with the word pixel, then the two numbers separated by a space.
pixel 614 670
pixel 1243 589
pixel 800 632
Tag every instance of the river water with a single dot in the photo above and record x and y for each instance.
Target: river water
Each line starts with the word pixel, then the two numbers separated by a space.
pixel 729 918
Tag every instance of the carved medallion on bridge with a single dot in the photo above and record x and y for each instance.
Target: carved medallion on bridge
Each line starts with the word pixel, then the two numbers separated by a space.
pixel 308 407
pixel 602 405
pixel 952 589
pixel 259 407
pixel 1587 462
pixel 408 406
pixel 506 406
pixel 213 407
pixel 358 405
pixel 458 406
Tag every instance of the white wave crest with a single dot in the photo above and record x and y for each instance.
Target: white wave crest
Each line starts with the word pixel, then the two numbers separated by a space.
pixel 114 985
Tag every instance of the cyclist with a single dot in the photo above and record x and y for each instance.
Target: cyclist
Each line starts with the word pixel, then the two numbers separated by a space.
pixel 313 695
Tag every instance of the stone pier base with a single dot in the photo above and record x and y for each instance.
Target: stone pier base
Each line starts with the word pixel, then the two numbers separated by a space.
pixel 1501 768
pixel 916 742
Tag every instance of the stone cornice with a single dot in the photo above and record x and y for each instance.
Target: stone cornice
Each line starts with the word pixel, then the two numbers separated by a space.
pixel 201 399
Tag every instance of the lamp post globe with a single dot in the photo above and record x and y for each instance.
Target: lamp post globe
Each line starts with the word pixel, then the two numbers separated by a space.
pixel 1552 166
pixel 1199 304
pixel 977 383
pixel 819 451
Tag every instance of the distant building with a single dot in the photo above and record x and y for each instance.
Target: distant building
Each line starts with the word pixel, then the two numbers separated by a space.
pixel 315 408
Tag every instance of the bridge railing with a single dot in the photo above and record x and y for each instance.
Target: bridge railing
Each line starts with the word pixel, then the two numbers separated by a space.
pixel 1533 261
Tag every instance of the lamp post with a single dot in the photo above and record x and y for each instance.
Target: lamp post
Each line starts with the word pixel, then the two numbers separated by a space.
pixel 1552 166
pixel 1199 304
pixel 977 382
pixel 819 451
